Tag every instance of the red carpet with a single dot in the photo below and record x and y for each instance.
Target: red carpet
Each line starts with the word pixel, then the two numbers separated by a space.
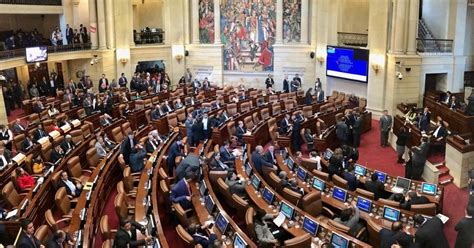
pixel 384 159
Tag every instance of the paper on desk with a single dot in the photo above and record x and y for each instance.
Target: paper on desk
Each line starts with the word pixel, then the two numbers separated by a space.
pixel 11 213
pixel 279 219
pixel 443 218
pixel 397 190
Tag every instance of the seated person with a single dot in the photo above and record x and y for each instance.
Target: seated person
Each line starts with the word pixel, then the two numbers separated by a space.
pixel 166 107
pixel 314 156
pixel 100 147
pixel 223 117
pixel 308 138
pixel 259 161
pixel 52 111
pixel 375 186
pixel 240 130
pixel 151 144
pixel 226 154
pixel 39 132
pixel 24 179
pixel 200 235
pixel 73 189
pixel 137 156
pixel 108 142
pixel 156 113
pixel 412 116
pixel 217 164
pixel 38 166
pixel 235 183
pixel 17 127
pixel 5 156
pixel 105 120
pixel 27 143
pixel 38 106
pixel 350 218
pixel 285 125
pixel 453 103
pixel 263 230
pixel 350 177
pixel 440 132
pixel 178 104
pixel 125 111
pixel 390 237
pixel 181 192
pixel 67 145
pixel 270 155
pixel 413 198
pixel 56 154
pixel 216 104
pixel 293 185
pixel 126 235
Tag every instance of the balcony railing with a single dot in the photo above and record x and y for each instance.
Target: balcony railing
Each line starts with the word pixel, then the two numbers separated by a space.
pixel 9 54
pixel 157 37
pixel 435 46
pixel 352 39
pixel 32 2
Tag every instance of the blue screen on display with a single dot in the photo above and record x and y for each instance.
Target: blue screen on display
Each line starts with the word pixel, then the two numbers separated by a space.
pixel 255 182
pixel 364 204
pixel 339 194
pixel 337 241
pixel 382 176
pixel 327 154
pixel 286 210
pixel 221 223
pixel 360 170
pixel 310 226
pixel 301 174
pixel 318 184
pixel 290 163
pixel 428 188
pixel 248 169
pixel 209 204
pixel 239 242
pixel 348 63
pixel 391 214
pixel 267 195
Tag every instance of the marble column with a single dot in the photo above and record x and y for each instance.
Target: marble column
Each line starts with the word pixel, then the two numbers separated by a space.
pixel 279 22
pixel 217 22
pixel 304 21
pixel 92 30
pixel 75 12
pixel 101 24
pixel 398 24
pixel 195 21
pixel 110 24
pixel 413 26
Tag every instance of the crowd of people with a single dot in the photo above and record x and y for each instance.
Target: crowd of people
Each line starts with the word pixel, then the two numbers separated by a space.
pixel 21 39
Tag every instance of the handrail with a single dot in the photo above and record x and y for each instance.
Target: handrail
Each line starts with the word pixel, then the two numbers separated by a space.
pixel 20 52
pixel 436 39
pixel 32 2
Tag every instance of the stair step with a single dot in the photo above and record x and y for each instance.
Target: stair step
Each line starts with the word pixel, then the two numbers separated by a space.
pixel 443 170
pixel 445 179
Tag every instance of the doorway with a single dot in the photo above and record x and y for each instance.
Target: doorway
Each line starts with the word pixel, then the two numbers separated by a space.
pixel 436 82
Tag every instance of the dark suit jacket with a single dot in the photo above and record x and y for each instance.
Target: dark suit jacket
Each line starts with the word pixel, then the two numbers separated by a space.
pixel 136 160
pixel 351 180
pixel 226 156
pixel 149 147
pixel 126 148
pixel 465 237
pixel 8 157
pixel 179 191
pixel 269 158
pixel 431 234
pixel 239 132
pixel 25 242
pixel 124 240
pixel 416 200
pixel 259 161
pixel 424 122
pixel 375 187
pixel 55 156
pixel 342 130
pixel 389 237
pixel 17 128
pixel 189 163
pixel 420 152
pixel 53 244
pixel 64 146
pixel 25 146
pixel 284 126
pixel 39 134
pixel 286 86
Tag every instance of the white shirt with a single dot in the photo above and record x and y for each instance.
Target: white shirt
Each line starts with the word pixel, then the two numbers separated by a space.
pixel 318 161
pixel 204 122
pixel 70 185
pixel 51 82
pixel 4 160
pixel 436 131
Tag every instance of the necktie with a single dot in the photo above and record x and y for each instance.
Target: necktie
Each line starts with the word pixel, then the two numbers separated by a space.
pixel 33 241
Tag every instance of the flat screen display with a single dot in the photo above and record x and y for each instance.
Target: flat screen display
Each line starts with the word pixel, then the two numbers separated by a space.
pixel 403 183
pixel 248 169
pixel 339 194
pixel 428 188
pixel 267 195
pixel 290 163
pixel 328 154
pixel 391 214
pixel 209 204
pixel 221 223
pixel 310 226
pixel 364 204
pixel 381 175
pixel 255 182
pixel 337 241
pixel 36 54
pixel 203 188
pixel 239 241
pixel 286 210
pixel 318 184
pixel 348 63
pixel 360 170
pixel 301 174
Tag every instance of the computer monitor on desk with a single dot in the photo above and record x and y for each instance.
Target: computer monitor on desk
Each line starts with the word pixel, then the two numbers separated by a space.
pixel 286 210
pixel 301 174
pixel 327 154
pixel 360 170
pixel 381 175
pixel 221 223
pixel 310 226
pixel 339 194
pixel 255 182
pixel 290 163
pixel 268 195
pixel 318 184
pixel 403 183
pixel 337 241
pixel 239 241
pixel 429 188
pixel 203 189
pixel 364 204
pixel 209 204
pixel 391 214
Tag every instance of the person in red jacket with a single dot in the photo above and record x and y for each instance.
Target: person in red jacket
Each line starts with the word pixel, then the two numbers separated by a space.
pixel 24 179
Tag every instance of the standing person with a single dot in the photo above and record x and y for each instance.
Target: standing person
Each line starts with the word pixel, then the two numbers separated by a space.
pixel 126 235
pixel 342 130
pixel 419 158
pixel 83 32
pixel 7 98
pixel 385 124
pixel 6 136
pixel 103 84
pixel 297 79
pixel 189 132
pixel 309 96
pixel 269 81
pixel 402 140
pixel 356 130
pixel 335 163
pixel 175 151
pixel 17 94
pixel 27 238
pixel 188 76
pixel 465 227
pixel 424 120
pixel 122 80
pixel 286 85
pixel 294 85
pixel 430 232
pixel 318 84
pixel 69 34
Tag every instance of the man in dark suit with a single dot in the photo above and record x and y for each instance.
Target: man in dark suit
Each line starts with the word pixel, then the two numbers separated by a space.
pixel 270 155
pixel 453 103
pixel 469 111
pixel 342 130
pixel 413 198
pixel 56 154
pixel 73 189
pixel 385 124
pixel 240 130
pixel 166 107
pixel 181 191
pixel 440 132
pixel 5 156
pixel 69 34
pixel 136 158
pixel 206 128
pixel 17 127
pixel 465 227
pixel 175 150
pixel 390 237
pixel 424 120
pixel 226 154
pixel 319 95
pixel 430 232
pixel 127 145
pixel 126 236
pixel 27 238
pixel 351 178
pixel 419 158
pixel 189 163
pixel 151 144
pixel 375 186
pixel 236 184
pixel 103 84
pixel 269 81
pixel 286 85
pixel 285 125
pixel 59 237
pixel 67 145
pixel 200 235
pixel 27 143
pixel 122 80
pixel 217 164
pixel 356 130
pixel 259 161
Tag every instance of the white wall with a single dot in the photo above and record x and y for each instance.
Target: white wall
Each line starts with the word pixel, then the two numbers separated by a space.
pixel 44 23
pixel 351 21
pixel 150 15
pixel 436 16
pixel 346 86
pixel 81 14
pixel 469 39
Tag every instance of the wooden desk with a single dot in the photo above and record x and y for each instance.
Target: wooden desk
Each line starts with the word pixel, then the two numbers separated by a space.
pixel 458 122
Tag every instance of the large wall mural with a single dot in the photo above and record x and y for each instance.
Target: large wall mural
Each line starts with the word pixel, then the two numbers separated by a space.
pixel 248 29
pixel 206 21
pixel 292 20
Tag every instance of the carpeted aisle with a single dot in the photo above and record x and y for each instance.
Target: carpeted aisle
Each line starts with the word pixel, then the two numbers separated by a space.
pixel 384 159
